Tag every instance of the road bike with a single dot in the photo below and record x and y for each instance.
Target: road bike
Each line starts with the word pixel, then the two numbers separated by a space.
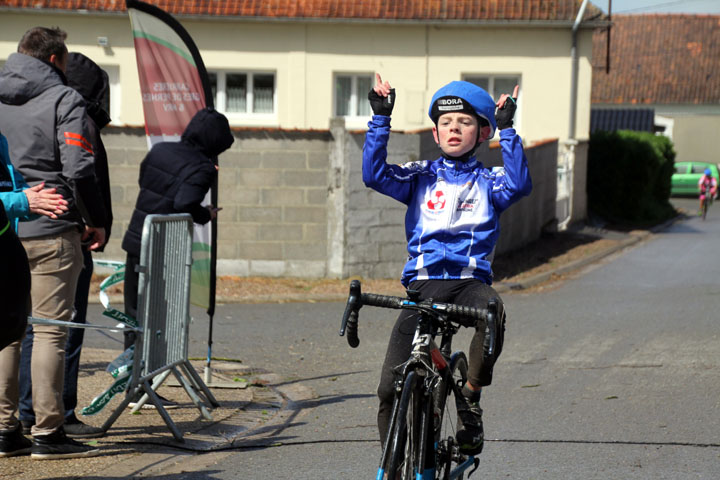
pixel 706 198
pixel 421 443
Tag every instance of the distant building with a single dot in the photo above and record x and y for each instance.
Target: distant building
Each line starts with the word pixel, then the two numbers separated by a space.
pixel 666 63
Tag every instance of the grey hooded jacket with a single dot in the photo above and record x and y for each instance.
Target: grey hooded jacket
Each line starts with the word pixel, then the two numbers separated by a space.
pixel 46 127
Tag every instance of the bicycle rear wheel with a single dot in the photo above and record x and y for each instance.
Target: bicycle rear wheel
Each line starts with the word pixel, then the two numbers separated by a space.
pixel 405 454
pixel 446 419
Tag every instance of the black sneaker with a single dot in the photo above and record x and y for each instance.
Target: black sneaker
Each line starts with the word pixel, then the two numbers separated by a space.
pixel 470 435
pixel 78 429
pixel 57 445
pixel 13 443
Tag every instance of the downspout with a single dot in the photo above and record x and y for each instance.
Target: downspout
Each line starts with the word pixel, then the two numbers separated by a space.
pixel 571 142
pixel 574 67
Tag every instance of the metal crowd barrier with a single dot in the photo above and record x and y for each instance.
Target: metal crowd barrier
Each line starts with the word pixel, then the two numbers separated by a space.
pixel 163 315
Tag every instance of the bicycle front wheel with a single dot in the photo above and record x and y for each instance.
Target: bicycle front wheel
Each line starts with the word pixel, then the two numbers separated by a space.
pixel 406 448
pixel 446 418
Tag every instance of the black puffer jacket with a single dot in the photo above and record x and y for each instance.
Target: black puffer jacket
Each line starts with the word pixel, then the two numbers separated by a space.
pixel 91 81
pixel 175 176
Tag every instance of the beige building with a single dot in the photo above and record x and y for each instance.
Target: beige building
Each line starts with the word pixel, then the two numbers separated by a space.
pixel 287 69
pixel 297 73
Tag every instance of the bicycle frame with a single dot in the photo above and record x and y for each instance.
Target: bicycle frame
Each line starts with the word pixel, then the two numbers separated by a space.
pixel 429 364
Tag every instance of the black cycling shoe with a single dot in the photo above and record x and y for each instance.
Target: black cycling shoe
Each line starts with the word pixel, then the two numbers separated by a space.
pixel 470 435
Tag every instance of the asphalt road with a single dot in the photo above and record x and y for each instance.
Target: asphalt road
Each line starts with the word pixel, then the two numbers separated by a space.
pixel 614 373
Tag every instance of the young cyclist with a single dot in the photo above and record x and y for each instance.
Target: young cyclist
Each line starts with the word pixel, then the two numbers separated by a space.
pixel 452 223
pixel 707 184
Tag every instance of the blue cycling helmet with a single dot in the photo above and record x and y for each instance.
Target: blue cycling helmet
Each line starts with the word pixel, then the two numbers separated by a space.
pixel 708 172
pixel 465 97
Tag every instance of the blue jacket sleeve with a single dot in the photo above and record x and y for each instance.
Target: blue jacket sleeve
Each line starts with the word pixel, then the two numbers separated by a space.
pixel 15 201
pixel 514 181
pixel 391 180
pixel 16 205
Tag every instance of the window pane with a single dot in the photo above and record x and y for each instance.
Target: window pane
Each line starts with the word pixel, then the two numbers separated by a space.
pixel 236 92
pixel 213 86
pixel 263 87
pixel 482 82
pixel 105 102
pixel 504 85
pixel 364 84
pixel 343 95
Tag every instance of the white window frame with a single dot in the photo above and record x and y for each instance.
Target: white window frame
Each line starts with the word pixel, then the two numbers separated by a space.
pixel 353 120
pixel 113 72
pixel 517 120
pixel 245 118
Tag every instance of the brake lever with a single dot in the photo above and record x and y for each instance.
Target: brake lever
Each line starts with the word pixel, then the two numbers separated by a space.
pixel 354 304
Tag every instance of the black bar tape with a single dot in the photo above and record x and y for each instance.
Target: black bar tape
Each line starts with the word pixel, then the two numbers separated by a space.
pixel 352 330
pixel 384 301
pixel 465 312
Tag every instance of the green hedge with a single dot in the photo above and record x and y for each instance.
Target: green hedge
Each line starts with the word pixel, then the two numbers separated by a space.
pixel 629 176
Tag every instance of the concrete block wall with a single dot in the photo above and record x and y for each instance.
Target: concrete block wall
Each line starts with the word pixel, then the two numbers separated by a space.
pixel 275 185
pixel 273 188
pixel 524 221
pixel 294 203
pixel 375 223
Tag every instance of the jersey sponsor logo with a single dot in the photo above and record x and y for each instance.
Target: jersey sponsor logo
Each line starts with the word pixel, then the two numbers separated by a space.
pixel 437 201
pixel 467 205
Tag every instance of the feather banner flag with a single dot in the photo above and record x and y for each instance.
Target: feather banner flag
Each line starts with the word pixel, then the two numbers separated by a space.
pixel 174 86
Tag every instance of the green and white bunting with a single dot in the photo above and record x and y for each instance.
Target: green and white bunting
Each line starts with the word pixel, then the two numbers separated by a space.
pixel 120 369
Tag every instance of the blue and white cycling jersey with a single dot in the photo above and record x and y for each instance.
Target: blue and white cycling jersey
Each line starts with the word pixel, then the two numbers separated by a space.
pixel 453 217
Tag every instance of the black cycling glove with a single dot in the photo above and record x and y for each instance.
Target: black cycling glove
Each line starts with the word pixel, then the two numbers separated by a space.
pixel 504 116
pixel 382 105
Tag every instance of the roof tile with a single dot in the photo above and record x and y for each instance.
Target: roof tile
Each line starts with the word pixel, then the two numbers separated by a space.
pixel 459 10
pixel 658 59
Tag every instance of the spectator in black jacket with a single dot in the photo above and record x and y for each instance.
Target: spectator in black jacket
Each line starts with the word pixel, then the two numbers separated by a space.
pixel 174 178
pixel 90 81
